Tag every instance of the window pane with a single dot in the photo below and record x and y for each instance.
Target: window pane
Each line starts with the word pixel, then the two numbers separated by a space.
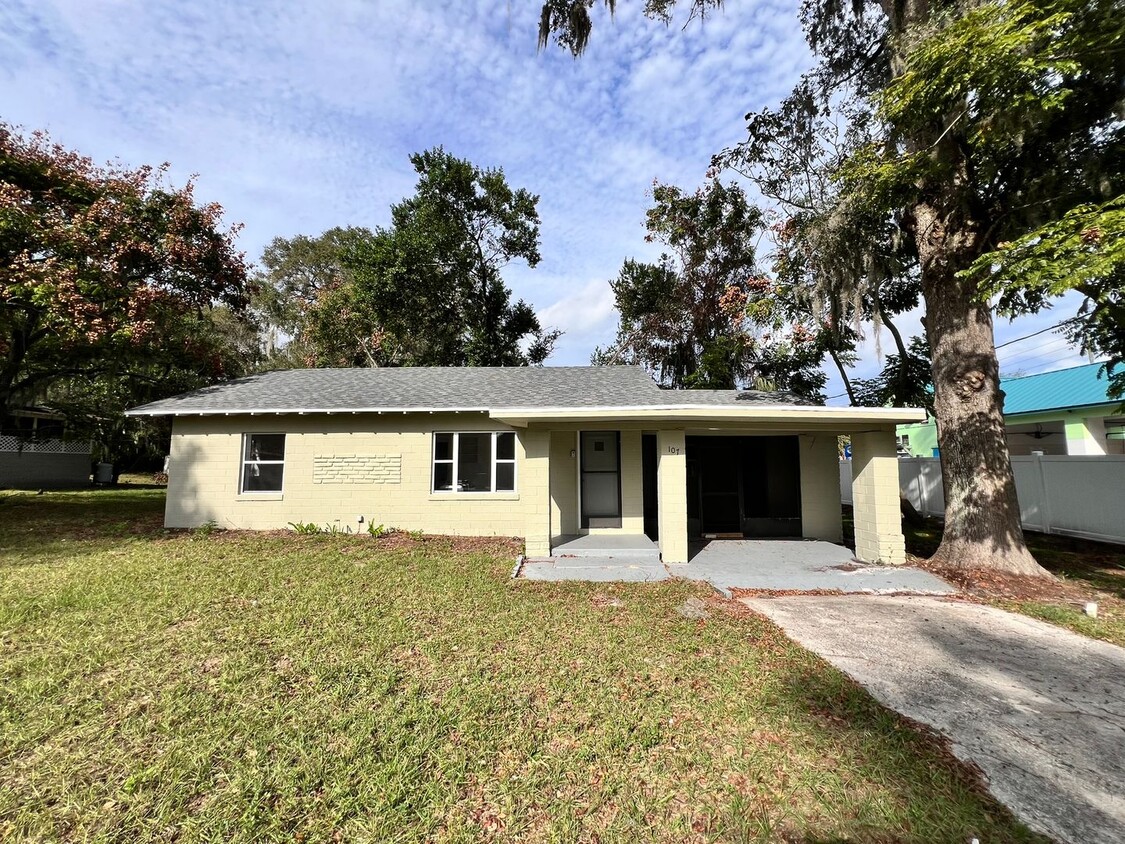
pixel 474 466
pixel 265 447
pixel 599 495
pixel 443 446
pixel 443 476
pixel 599 451
pixel 262 477
pixel 505 446
pixel 506 476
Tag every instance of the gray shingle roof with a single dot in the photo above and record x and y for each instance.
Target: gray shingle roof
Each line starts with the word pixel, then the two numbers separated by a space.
pixel 444 388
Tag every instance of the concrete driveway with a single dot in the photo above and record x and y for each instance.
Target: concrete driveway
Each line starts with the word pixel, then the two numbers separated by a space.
pixel 1040 709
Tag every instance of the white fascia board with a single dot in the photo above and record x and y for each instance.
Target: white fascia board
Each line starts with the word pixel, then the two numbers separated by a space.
pixel 297 411
pixel 696 412
pixel 685 412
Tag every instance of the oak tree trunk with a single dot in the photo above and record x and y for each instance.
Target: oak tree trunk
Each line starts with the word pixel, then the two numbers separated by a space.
pixel 982 517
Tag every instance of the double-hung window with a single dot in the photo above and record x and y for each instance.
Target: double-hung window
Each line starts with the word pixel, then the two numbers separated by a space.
pixel 475 462
pixel 263 462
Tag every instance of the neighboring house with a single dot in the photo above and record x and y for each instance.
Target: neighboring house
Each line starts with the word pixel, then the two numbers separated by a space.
pixel 1062 412
pixel 545 453
pixel 36 454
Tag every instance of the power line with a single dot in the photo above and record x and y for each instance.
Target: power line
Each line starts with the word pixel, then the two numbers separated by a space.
pixel 1040 351
pixel 1033 334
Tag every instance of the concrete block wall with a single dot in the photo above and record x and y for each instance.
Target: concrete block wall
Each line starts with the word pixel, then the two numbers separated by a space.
pixel 564 483
pixel 821 513
pixel 205 469
pixel 875 498
pixel 536 500
pixel 671 481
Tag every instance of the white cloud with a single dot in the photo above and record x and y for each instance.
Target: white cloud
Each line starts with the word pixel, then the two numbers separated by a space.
pixel 299 116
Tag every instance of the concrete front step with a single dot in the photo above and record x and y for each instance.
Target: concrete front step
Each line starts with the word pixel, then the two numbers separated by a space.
pixel 631 546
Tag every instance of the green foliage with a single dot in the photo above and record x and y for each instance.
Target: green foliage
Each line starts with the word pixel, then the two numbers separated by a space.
pixel 703 318
pixel 902 383
pixel 305 528
pixel 1015 108
pixel 378 530
pixel 205 530
pixel 293 274
pixel 1084 250
pixel 569 21
pixel 428 291
pixel 104 272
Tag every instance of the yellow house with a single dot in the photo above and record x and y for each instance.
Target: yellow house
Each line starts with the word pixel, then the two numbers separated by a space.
pixel 545 453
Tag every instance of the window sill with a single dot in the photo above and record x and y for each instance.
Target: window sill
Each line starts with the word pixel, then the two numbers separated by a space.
pixel 260 496
pixel 474 496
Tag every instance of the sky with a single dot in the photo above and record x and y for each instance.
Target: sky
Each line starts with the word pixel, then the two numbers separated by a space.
pixel 300 116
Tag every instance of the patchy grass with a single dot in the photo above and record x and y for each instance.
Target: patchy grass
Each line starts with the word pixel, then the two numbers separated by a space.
pixel 161 686
pixel 1086 571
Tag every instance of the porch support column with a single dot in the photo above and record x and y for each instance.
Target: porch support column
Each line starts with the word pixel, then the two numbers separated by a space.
pixel 535 492
pixel 821 511
pixel 671 482
pixel 875 498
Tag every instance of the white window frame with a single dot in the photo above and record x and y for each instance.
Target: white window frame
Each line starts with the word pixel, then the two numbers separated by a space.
pixel 243 462
pixel 492 490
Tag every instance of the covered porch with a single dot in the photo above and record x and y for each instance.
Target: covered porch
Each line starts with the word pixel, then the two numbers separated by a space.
pixel 645 479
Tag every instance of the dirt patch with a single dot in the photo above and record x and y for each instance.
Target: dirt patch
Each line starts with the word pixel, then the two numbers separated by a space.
pixel 780 593
pixel 394 540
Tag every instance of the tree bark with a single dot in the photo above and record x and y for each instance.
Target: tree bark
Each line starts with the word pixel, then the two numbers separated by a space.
pixel 982 516
pixel 843 376
pixel 902 377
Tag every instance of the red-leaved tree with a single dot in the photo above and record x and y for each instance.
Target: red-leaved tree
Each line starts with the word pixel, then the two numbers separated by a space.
pixel 105 270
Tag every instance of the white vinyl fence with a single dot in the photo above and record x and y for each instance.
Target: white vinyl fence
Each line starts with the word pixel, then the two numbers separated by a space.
pixel 1067 494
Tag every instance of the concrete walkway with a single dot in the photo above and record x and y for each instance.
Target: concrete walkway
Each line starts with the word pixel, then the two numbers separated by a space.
pixel 785 565
pixel 775 565
pixel 1040 709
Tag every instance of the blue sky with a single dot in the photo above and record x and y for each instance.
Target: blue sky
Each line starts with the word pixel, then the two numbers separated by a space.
pixel 299 116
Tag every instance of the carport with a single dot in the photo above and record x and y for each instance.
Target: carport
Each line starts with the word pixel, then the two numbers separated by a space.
pixel 716 463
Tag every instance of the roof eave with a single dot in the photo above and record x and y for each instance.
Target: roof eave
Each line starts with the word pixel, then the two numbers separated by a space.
pixel 521 417
pixel 293 411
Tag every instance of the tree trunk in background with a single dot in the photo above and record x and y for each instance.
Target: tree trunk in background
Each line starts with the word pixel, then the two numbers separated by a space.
pixel 982 516
pixel 843 376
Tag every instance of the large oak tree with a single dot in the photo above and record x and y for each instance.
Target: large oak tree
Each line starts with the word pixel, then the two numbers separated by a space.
pixel 989 135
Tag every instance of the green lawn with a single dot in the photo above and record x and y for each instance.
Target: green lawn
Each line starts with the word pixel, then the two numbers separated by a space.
pixel 234 687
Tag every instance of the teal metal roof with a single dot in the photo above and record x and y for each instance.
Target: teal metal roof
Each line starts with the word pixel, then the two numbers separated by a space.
pixel 1074 387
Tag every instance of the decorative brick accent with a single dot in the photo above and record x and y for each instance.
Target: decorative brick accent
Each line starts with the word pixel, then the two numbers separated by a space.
pixel 357 469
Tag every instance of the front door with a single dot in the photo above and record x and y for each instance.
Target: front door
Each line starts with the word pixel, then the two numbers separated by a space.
pixel 600 473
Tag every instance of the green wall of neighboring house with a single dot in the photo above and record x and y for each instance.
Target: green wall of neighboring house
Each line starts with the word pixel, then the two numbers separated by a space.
pixel 1063 428
pixel 922 438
